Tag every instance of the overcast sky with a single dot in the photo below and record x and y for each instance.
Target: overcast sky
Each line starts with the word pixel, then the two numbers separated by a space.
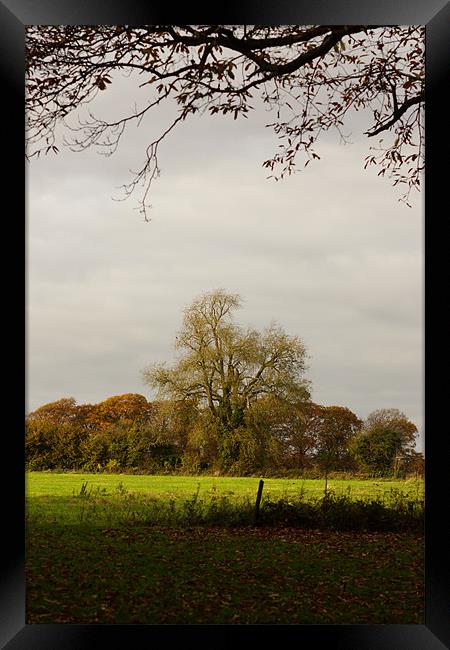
pixel 329 253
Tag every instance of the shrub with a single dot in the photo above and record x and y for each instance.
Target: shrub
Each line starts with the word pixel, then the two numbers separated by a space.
pixel 340 512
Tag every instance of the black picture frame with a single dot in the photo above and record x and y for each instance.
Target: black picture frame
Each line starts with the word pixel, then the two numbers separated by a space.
pixel 435 14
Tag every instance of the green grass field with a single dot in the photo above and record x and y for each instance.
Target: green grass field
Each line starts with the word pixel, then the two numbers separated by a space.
pixel 91 559
pixel 68 484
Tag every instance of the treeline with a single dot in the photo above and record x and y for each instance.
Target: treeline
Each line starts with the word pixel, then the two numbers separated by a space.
pixel 127 433
pixel 236 401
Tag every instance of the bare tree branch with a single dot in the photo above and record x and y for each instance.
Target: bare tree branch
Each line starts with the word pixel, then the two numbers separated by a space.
pixel 310 76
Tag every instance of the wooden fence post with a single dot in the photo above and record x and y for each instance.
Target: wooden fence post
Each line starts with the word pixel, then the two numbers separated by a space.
pixel 258 500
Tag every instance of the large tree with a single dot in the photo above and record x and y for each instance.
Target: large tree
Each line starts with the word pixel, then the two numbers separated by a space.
pixel 226 368
pixel 310 76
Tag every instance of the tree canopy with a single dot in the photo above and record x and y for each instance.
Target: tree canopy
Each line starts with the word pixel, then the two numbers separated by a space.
pixel 333 428
pixel 386 441
pixel 310 77
pixel 226 368
pixel 274 436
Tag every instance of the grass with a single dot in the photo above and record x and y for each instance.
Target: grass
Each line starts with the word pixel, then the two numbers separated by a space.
pixel 82 574
pixel 395 512
pixel 67 484
pixel 162 549
pixel 165 500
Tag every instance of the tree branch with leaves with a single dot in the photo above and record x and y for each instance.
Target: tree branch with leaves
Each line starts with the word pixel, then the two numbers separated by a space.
pixel 311 77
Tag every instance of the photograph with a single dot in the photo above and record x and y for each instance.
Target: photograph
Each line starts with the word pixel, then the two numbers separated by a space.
pixel 225 257
pixel 233 256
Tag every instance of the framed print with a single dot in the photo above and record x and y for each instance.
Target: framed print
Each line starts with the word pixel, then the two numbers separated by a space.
pixel 182 265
